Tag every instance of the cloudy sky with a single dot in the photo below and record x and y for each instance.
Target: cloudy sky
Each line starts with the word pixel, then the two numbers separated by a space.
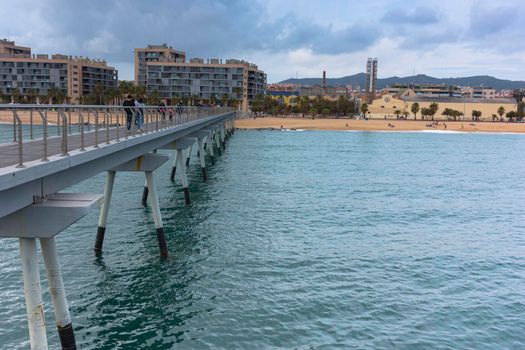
pixel 443 38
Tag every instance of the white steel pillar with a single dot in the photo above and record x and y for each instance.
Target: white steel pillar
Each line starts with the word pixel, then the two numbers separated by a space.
pixel 209 144
pixel 108 191
pixel 218 142
pixel 202 161
pixel 58 293
pixel 223 137
pixel 33 294
pixel 184 178
pixel 157 218
pixel 174 165
pixel 189 155
pixel 145 192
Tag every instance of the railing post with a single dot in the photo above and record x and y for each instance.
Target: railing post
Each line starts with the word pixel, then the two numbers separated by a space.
pixel 81 124
pixel 18 134
pixel 64 132
pixel 31 124
pixel 95 112
pixel 107 121
pixel 43 115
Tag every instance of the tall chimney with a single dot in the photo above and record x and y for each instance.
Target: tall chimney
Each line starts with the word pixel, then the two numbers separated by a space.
pixel 324 80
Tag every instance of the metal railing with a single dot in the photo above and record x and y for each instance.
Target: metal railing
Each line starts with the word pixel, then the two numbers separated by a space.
pixel 77 127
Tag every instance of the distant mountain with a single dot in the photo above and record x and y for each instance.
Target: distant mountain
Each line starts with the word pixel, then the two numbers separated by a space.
pixel 360 79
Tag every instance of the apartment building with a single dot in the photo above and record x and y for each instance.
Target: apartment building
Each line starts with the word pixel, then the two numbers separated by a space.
pixel 424 90
pixel 479 92
pixel 35 74
pixel 154 53
pixel 174 77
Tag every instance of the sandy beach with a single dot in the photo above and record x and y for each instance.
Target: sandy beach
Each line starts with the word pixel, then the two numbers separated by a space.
pixel 376 125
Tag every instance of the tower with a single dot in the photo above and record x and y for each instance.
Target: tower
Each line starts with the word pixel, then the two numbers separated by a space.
pixel 371 78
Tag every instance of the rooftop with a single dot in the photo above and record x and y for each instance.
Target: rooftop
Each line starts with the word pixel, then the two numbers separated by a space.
pixel 456 99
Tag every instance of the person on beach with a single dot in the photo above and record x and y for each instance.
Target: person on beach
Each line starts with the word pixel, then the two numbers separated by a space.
pixel 129 102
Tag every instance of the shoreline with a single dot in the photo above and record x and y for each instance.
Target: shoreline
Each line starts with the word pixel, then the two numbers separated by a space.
pixel 383 125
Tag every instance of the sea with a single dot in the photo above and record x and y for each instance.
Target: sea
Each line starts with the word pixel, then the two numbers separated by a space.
pixel 302 240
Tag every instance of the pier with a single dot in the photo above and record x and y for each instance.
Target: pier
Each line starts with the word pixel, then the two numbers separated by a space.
pixel 52 147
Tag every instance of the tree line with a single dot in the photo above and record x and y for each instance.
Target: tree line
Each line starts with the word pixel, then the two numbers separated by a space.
pixel 114 96
pixel 428 113
pixel 304 105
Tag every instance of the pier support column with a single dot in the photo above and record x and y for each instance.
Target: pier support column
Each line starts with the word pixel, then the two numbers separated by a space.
pixel 202 161
pixel 174 166
pixel 145 192
pixel 184 179
pixel 189 155
pixel 154 202
pixel 209 143
pixel 223 137
pixel 217 142
pixel 33 294
pixel 108 191
pixel 58 293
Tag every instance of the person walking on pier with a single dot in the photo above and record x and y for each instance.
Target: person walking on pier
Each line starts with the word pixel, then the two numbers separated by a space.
pixel 139 119
pixel 129 102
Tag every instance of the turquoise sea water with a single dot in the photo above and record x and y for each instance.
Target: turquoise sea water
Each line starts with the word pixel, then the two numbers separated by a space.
pixel 309 240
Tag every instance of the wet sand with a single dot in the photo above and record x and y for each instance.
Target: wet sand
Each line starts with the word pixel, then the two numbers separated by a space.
pixel 376 125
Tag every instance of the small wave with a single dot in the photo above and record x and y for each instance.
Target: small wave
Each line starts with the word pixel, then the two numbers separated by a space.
pixel 293 129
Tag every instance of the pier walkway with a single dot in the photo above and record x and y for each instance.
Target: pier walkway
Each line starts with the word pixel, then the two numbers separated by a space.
pixel 86 141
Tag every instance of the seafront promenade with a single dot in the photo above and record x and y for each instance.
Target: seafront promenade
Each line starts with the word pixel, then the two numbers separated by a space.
pixel 377 125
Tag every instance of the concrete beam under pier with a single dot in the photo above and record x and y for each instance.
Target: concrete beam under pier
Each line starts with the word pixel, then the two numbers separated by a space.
pixel 48 217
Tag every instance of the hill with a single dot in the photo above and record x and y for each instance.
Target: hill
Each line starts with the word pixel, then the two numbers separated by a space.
pixel 360 79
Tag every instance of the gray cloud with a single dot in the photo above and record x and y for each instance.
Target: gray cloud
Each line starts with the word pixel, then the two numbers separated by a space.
pixel 418 16
pixel 240 28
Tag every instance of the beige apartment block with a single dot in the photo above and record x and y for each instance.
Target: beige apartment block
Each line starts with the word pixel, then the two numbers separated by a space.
pixel 165 70
pixel 154 53
pixel 37 73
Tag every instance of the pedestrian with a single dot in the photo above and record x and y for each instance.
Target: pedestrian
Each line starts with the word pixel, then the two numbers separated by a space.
pixel 129 102
pixel 139 115
pixel 162 109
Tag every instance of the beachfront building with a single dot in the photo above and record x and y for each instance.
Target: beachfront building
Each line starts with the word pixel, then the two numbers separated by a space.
pixel 424 90
pixel 23 74
pixel 387 105
pixel 174 78
pixel 478 92
pixel 154 53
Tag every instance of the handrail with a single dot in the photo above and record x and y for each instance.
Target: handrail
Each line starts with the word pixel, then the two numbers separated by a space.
pixel 153 119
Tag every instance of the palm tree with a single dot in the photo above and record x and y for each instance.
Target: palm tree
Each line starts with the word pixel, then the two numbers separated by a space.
pixel 397 112
pixel 15 95
pixel 237 91
pixel 154 98
pixel 414 109
pixel 433 108
pixel 476 115
pixel 31 95
pixel 511 115
pixel 364 108
pixel 53 94
pixel 405 113
pixel 126 87
pixel 501 112
pixel 305 104
pixel 98 94
pixel 140 92
pixel 224 99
